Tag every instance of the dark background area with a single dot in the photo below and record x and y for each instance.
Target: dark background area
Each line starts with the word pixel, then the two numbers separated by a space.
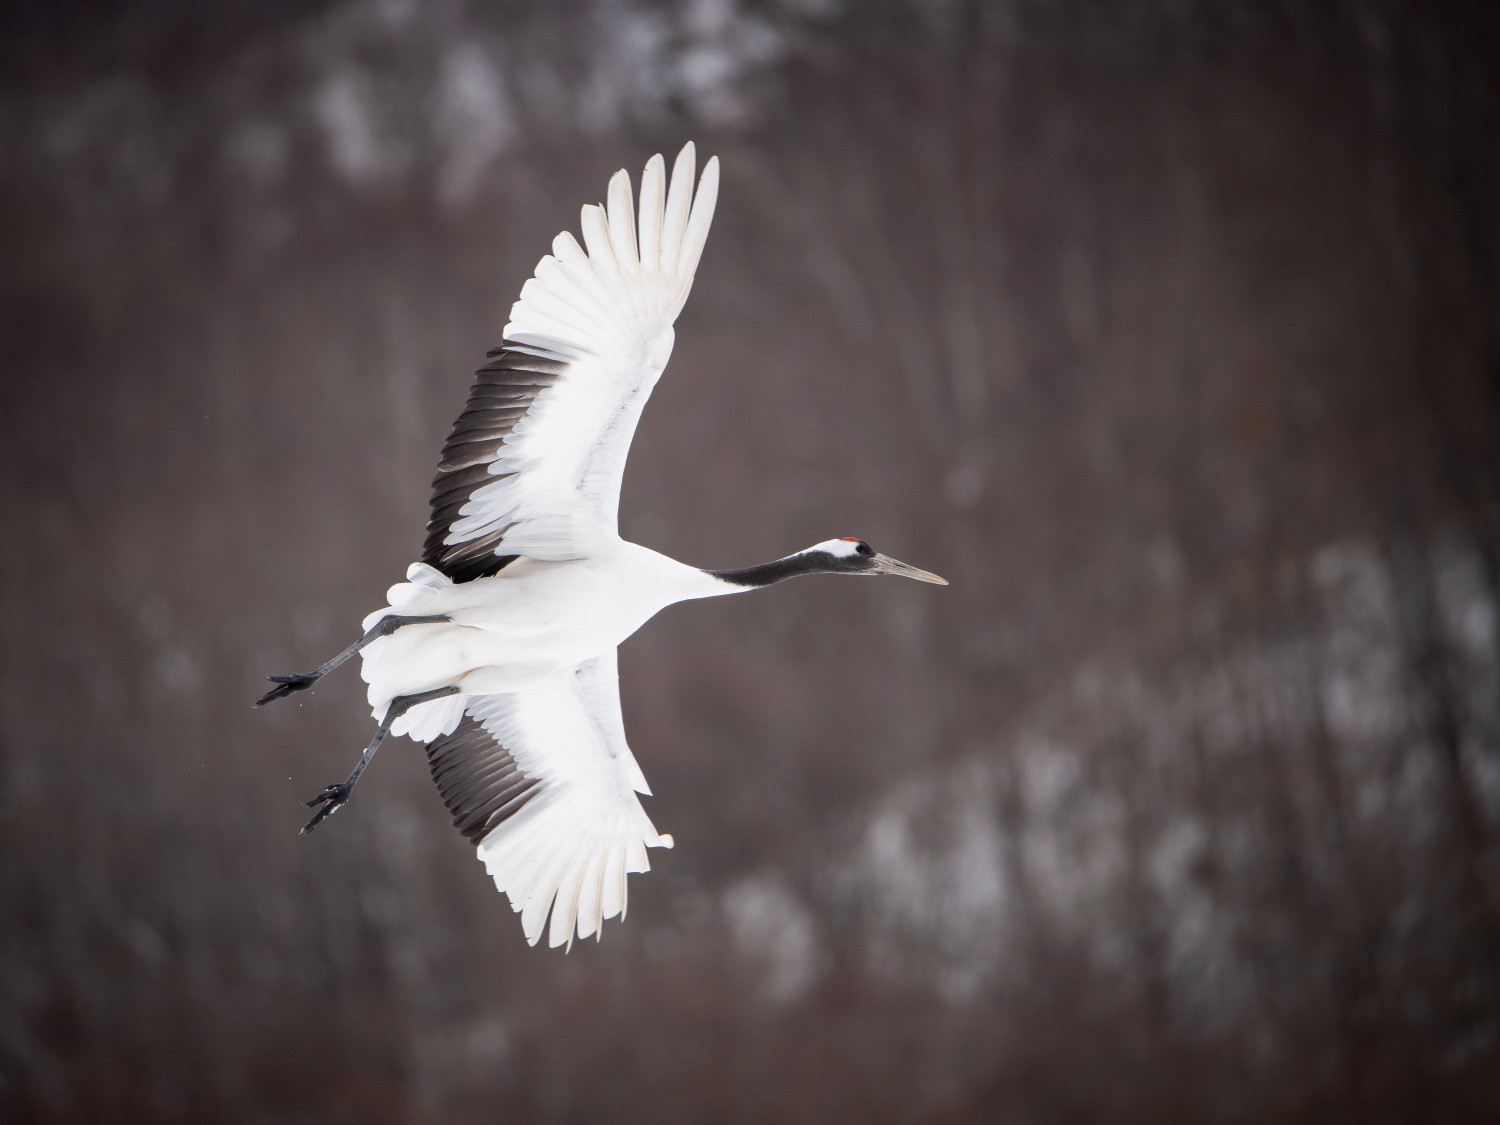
pixel 1168 332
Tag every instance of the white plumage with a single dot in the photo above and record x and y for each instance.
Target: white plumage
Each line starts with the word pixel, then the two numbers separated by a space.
pixel 533 648
pixel 499 649
pixel 610 312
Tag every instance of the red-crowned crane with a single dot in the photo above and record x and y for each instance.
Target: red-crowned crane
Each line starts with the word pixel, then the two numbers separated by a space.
pixel 498 650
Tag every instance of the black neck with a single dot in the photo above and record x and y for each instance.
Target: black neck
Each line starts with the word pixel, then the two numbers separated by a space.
pixel 809 562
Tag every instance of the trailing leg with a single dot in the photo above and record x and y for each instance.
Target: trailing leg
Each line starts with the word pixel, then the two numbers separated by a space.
pixel 299 681
pixel 334 796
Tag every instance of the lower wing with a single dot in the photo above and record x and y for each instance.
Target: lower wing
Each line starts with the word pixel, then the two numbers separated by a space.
pixel 544 783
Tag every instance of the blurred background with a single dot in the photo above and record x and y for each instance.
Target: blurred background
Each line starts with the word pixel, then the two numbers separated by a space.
pixel 1169 331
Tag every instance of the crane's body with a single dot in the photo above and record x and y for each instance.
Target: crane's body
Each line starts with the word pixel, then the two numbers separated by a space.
pixel 529 621
pixel 498 651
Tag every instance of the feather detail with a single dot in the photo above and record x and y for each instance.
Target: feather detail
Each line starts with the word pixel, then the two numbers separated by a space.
pixel 543 780
pixel 679 200
pixel 534 464
pixel 622 225
pixel 653 203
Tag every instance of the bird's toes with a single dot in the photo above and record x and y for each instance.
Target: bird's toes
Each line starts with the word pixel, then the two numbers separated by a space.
pixel 337 793
pixel 332 799
pixel 285 686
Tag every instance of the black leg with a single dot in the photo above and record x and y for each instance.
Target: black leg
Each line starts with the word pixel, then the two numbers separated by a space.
pixel 334 796
pixel 299 681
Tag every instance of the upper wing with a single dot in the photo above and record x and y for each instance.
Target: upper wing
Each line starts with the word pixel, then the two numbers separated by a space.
pixel 533 465
pixel 543 782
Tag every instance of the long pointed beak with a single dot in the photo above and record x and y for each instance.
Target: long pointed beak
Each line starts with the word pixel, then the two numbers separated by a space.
pixel 884 564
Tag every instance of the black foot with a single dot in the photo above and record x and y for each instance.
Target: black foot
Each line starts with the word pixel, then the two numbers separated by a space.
pixel 332 799
pixel 288 685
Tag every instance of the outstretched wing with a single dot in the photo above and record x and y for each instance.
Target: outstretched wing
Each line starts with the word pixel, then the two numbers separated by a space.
pixel 543 782
pixel 533 465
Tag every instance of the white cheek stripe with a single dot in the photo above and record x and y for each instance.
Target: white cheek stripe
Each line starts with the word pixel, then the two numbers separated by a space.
pixel 838 548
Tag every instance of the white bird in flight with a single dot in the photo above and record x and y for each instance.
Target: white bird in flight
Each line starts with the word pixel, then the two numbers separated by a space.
pixel 498 651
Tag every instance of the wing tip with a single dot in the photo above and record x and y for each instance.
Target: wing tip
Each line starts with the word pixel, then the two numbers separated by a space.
pixel 564 920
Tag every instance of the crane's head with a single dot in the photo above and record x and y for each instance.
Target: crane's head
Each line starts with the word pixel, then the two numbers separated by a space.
pixel 837 556
pixel 851 555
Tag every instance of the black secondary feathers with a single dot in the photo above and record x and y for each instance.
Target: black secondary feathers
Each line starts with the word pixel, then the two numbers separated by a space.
pixel 504 390
pixel 478 779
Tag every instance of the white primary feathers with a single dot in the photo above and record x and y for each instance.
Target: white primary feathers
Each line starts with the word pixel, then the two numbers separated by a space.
pixel 586 829
pixel 608 314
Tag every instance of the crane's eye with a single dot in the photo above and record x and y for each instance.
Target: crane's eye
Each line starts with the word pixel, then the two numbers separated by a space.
pixel 864 549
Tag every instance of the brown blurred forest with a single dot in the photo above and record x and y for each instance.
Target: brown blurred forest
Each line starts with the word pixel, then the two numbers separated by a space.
pixel 1168 331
